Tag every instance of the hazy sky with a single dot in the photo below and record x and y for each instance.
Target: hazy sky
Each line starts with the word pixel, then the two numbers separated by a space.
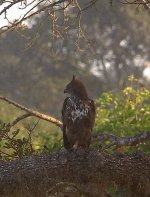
pixel 14 13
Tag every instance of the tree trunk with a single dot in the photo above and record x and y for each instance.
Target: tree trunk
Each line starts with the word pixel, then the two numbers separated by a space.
pixel 88 172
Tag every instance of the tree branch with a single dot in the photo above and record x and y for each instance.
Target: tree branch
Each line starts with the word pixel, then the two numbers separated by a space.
pixel 29 14
pixel 32 113
pixel 146 3
pixel 40 176
pixel 122 141
pixel 18 119
pixel 9 6
pixel 101 138
pixel 6 128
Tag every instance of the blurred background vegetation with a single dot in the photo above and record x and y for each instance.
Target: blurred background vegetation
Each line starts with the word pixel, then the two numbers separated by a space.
pixel 35 67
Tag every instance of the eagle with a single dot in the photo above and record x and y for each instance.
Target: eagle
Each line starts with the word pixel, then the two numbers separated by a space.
pixel 78 116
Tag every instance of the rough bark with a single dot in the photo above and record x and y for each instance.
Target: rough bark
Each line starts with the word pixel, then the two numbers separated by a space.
pixel 89 172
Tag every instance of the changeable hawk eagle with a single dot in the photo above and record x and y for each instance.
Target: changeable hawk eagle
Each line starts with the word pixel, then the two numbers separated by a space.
pixel 78 116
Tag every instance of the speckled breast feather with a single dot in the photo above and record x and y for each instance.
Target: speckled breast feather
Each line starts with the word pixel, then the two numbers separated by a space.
pixel 77 109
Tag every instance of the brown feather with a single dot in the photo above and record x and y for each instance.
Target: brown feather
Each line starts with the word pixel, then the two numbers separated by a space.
pixel 78 116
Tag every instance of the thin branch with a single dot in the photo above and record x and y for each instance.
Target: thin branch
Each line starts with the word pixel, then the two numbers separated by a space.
pixel 142 2
pixel 30 10
pixel 147 3
pixel 30 130
pixel 24 18
pixel 18 119
pixel 9 6
pixel 33 112
pixel 89 4
pixel 80 33
pixel 27 5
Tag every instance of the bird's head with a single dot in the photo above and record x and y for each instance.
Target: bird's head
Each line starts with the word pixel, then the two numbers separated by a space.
pixel 76 88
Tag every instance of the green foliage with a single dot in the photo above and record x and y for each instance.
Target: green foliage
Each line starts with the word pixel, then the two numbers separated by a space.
pixel 28 141
pixel 124 113
pixel 29 137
